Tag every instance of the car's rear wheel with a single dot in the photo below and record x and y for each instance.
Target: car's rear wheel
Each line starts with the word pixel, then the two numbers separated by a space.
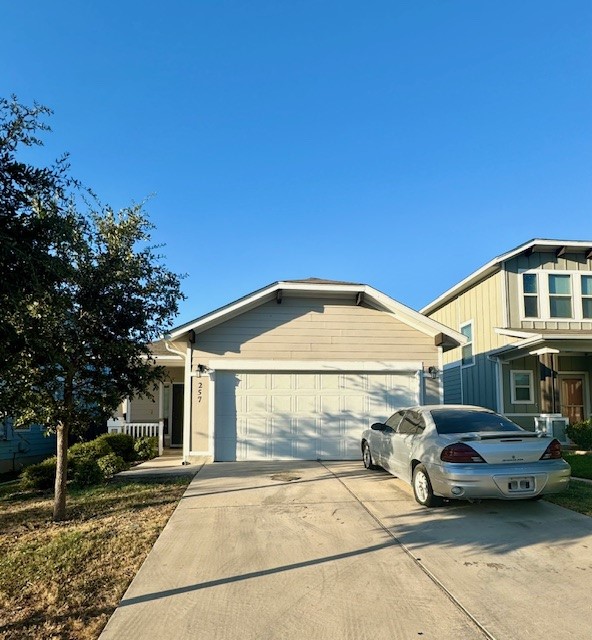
pixel 422 488
pixel 367 457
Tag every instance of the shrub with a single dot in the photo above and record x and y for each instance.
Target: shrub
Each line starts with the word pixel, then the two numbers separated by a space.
pixel 94 449
pixel 86 472
pixel 120 444
pixel 146 448
pixel 112 464
pixel 40 476
pixel 581 433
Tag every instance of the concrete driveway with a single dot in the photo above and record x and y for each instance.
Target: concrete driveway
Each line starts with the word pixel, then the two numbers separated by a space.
pixel 331 551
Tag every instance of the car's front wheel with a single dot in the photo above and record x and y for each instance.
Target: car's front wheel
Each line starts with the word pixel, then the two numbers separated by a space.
pixel 367 457
pixel 422 488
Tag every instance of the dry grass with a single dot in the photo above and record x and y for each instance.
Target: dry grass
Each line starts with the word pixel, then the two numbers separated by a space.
pixel 64 580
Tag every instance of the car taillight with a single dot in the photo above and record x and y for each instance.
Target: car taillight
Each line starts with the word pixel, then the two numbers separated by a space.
pixel 460 452
pixel 553 451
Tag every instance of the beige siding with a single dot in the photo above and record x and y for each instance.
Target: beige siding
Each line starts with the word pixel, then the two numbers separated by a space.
pixel 176 375
pixel 483 304
pixel 147 409
pixel 546 262
pixel 309 329
pixel 144 409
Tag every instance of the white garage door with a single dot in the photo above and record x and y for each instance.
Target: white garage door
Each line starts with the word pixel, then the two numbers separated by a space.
pixel 303 416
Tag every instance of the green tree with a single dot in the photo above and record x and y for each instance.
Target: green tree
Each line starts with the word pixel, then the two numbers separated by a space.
pixel 100 294
pixel 35 231
pixel 117 298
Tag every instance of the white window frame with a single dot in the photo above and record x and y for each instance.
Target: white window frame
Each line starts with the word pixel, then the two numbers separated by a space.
pixel 576 296
pixel 584 296
pixel 523 295
pixel 530 375
pixel 469 344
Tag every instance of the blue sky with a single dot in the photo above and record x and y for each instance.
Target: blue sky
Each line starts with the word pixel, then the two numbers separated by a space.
pixel 399 144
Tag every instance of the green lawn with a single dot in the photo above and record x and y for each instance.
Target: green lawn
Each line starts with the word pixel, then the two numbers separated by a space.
pixel 577 498
pixel 579 495
pixel 64 580
pixel 581 465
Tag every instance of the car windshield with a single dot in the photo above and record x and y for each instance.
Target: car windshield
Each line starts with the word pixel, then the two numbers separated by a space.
pixel 468 421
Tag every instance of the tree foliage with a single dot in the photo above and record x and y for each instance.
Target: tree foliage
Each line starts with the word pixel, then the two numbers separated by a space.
pixel 35 232
pixel 92 294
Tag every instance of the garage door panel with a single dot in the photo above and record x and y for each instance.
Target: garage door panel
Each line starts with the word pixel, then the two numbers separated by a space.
pixel 257 428
pixel 305 449
pixel 256 403
pixel 281 404
pixel 281 381
pixel 306 381
pixel 283 448
pixel 306 404
pixel 263 415
pixel 331 382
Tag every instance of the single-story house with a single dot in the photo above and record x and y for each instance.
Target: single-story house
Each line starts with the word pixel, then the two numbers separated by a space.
pixel 295 370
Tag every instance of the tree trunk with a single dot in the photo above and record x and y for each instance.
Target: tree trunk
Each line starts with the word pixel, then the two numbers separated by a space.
pixel 59 505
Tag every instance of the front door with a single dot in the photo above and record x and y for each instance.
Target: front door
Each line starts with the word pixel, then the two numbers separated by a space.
pixel 177 415
pixel 572 397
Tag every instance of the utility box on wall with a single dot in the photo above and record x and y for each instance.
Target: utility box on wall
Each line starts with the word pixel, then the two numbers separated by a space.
pixel 554 425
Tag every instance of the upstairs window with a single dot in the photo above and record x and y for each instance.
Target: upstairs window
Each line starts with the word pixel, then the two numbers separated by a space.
pixel 467 350
pixel 587 297
pixel 530 288
pixel 560 296
pixel 556 295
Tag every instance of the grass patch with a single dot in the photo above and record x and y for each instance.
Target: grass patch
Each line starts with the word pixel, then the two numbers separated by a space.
pixel 64 580
pixel 578 497
pixel 581 464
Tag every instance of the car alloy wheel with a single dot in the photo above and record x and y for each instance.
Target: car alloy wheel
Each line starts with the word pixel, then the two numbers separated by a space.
pixel 422 488
pixel 367 457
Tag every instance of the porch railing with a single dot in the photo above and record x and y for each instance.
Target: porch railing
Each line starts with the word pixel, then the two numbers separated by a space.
pixel 139 430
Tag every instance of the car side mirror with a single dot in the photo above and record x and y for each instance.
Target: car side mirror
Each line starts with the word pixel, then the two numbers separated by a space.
pixel 378 426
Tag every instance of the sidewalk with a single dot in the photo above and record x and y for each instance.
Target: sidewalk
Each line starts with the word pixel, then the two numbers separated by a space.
pixel 169 464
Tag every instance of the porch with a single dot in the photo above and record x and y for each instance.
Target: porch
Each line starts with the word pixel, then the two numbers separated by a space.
pixel 140 430
pixel 548 375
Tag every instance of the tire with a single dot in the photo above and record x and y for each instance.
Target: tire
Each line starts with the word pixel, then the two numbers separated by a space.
pixel 422 488
pixel 367 457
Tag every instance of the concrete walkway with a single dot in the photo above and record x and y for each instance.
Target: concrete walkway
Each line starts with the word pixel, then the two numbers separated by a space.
pixel 169 464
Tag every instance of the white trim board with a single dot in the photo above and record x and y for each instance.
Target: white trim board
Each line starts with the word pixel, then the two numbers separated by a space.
pixel 315 365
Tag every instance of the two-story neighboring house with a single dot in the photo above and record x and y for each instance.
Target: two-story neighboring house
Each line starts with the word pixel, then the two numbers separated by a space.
pixel 527 315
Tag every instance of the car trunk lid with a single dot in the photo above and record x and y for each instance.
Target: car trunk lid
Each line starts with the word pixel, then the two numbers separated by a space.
pixel 505 448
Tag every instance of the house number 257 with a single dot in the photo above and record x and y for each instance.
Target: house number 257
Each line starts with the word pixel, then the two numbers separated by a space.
pixel 199 391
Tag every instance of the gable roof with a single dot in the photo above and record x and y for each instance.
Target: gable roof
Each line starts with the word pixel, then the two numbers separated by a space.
pixel 536 244
pixel 445 337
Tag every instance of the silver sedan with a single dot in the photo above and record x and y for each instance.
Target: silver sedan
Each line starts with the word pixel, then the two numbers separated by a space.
pixel 464 452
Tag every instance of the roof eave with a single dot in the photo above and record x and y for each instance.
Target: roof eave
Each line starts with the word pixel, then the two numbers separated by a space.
pixel 493 266
pixel 371 296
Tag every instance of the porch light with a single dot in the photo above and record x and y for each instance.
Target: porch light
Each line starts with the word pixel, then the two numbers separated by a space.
pixel 433 371
pixel 202 369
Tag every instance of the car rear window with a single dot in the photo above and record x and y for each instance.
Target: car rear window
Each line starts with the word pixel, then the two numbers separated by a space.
pixel 463 421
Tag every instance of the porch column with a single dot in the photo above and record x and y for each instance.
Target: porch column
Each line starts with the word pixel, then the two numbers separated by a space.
pixel 160 418
pixel 548 381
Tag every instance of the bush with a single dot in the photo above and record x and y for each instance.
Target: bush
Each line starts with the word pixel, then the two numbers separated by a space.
pixel 120 444
pixel 581 433
pixel 86 472
pixel 40 476
pixel 146 448
pixel 112 464
pixel 94 449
